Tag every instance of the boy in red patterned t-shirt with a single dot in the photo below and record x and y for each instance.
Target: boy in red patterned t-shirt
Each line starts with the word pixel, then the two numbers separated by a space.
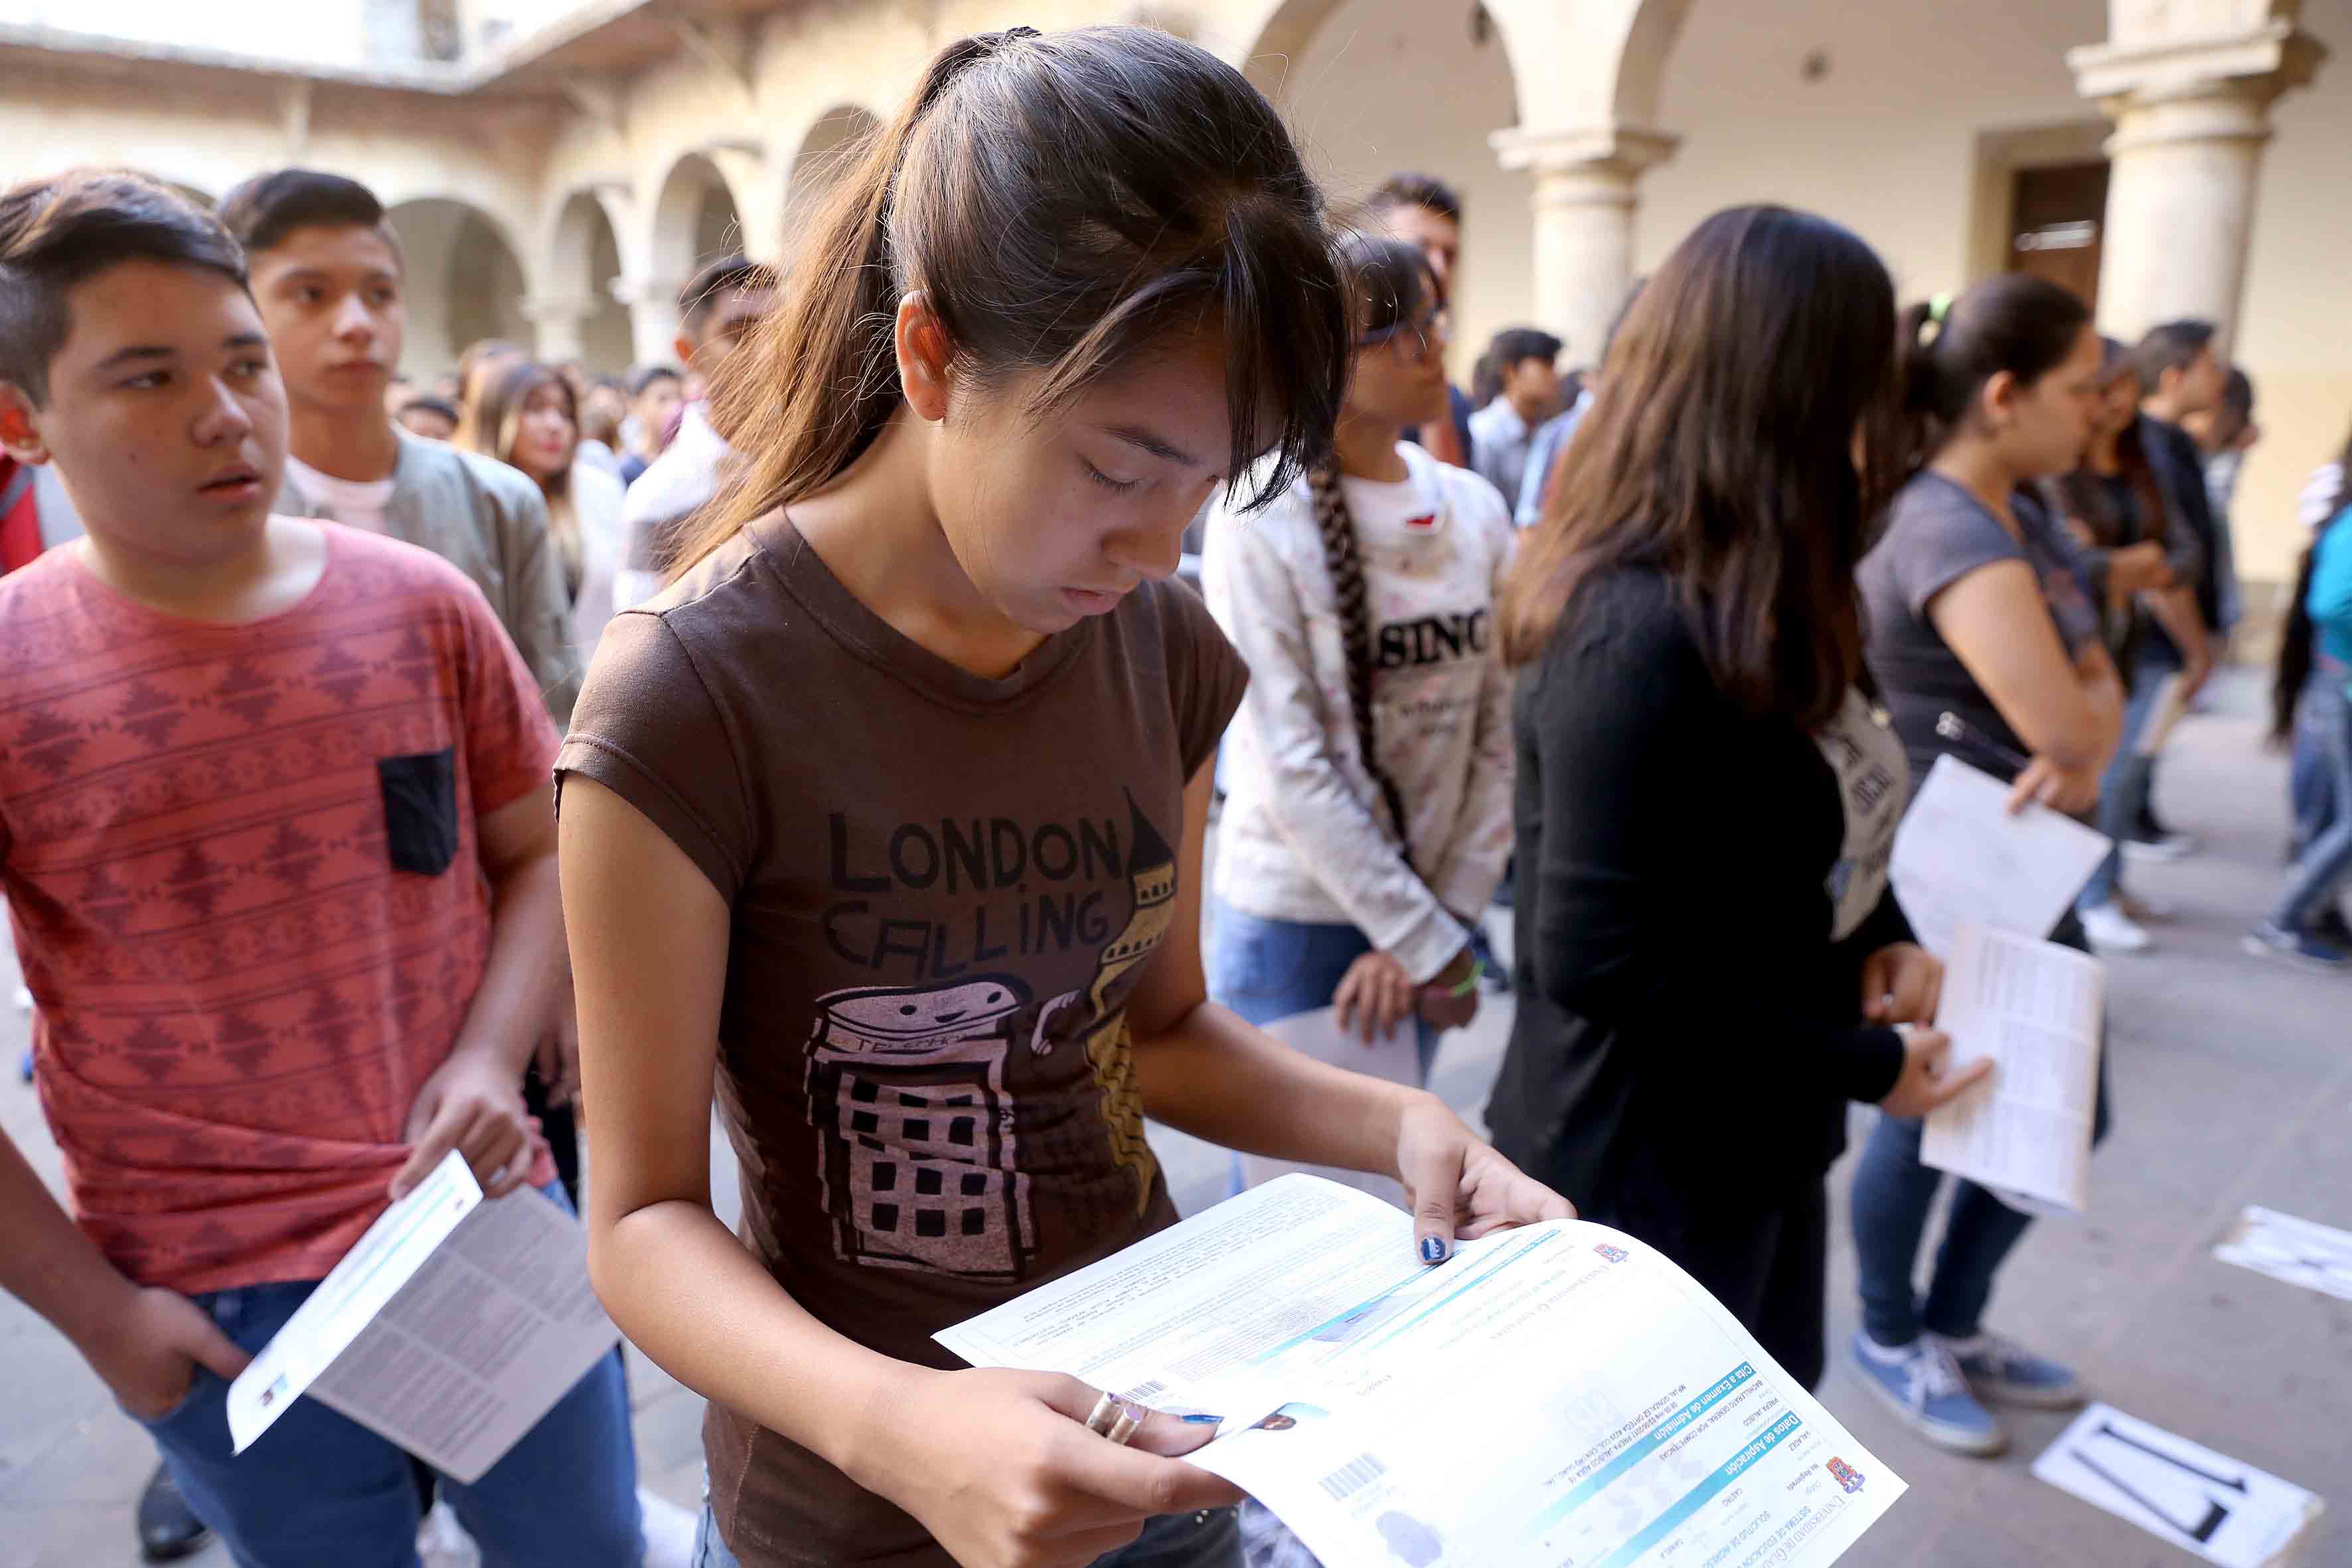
pixel 276 835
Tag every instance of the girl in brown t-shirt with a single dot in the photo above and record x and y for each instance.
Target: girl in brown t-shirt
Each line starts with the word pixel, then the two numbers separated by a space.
pixel 885 819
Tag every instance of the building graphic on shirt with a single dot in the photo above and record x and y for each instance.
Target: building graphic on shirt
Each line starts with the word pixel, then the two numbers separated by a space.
pixel 917 1131
pixel 1101 1007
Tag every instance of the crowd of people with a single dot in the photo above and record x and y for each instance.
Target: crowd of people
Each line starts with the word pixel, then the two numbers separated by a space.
pixel 885 755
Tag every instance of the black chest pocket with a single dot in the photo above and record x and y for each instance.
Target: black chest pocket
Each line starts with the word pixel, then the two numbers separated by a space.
pixel 420 809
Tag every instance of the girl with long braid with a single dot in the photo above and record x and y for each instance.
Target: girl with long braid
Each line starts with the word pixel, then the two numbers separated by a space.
pixel 1368 809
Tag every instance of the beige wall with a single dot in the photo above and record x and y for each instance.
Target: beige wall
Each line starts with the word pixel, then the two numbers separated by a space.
pixel 1885 142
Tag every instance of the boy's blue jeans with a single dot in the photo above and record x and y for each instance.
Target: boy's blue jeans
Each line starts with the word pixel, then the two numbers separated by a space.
pixel 317 1487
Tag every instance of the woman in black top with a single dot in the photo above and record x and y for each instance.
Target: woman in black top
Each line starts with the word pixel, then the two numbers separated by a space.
pixel 1697 760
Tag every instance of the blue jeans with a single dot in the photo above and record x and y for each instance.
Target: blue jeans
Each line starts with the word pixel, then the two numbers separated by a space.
pixel 317 1487
pixel 1891 1195
pixel 2311 785
pixel 1269 969
pixel 2123 788
pixel 2327 858
pixel 1209 1539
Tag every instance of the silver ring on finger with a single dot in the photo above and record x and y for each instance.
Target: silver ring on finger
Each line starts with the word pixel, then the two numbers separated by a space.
pixel 1105 1415
pixel 1123 1429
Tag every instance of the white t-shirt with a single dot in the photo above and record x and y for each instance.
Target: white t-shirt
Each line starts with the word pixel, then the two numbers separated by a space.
pixel 353 503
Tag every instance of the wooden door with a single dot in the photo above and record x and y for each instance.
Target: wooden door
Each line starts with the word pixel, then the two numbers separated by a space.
pixel 2058 222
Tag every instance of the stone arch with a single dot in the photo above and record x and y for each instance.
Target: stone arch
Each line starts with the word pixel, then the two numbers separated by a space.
pixel 1265 38
pixel 817 164
pixel 1374 86
pixel 464 280
pixel 582 263
pixel 695 219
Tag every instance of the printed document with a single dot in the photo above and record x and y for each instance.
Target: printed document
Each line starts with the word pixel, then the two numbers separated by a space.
pixel 1961 855
pixel 450 1329
pixel 1554 1396
pixel 2033 1009
pixel 2224 1510
pixel 2299 1251
pixel 1319 1035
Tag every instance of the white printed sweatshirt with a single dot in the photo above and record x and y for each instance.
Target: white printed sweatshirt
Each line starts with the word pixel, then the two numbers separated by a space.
pixel 1305 834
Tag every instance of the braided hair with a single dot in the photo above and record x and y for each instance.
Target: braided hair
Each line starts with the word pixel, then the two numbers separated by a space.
pixel 1388 280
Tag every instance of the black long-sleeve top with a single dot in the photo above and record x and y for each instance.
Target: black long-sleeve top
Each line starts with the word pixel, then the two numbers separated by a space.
pixel 1677 983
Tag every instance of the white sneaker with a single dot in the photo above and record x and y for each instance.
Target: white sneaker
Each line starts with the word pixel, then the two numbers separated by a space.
pixel 669 1532
pixel 2112 931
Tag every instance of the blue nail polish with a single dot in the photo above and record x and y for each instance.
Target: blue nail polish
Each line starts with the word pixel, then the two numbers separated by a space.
pixel 1433 1249
pixel 1202 1420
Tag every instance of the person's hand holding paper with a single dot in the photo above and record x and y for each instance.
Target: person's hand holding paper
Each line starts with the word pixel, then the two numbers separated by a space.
pixel 1457 1187
pixel 1900 985
pixel 472 1104
pixel 1000 1458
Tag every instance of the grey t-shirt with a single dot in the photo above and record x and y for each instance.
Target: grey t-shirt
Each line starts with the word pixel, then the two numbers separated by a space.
pixel 1937 534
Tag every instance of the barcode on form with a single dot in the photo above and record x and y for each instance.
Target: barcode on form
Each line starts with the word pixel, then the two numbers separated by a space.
pixel 1353 1477
pixel 1143 1392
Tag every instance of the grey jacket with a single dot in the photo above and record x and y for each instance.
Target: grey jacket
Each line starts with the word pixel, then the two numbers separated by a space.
pixel 489 522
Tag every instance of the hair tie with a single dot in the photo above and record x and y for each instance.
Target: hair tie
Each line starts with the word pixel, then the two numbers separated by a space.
pixel 1932 328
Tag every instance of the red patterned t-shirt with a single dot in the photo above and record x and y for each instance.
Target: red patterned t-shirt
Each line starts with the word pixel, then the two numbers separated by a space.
pixel 241 865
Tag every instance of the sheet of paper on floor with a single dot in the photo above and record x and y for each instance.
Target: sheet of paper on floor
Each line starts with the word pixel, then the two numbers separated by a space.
pixel 2222 1509
pixel 2299 1251
pixel 1961 855
pixel 1319 1035
pixel 2033 1009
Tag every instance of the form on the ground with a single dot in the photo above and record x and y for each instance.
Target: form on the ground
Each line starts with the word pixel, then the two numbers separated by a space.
pixel 2033 1009
pixel 450 1329
pixel 2299 1251
pixel 2224 1510
pixel 1961 855
pixel 1556 1394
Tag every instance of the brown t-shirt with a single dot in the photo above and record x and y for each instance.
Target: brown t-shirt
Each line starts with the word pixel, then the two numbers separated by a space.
pixel 943 887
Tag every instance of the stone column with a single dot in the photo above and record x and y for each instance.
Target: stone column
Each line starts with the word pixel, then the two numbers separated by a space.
pixel 2191 112
pixel 1584 207
pixel 561 324
pixel 653 317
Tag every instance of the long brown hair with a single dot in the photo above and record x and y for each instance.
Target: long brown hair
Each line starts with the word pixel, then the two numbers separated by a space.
pixel 498 425
pixel 1720 450
pixel 1387 282
pixel 1064 201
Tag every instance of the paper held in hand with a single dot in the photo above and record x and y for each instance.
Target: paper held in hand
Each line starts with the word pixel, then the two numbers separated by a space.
pixel 450 1329
pixel 1960 855
pixel 1552 1394
pixel 2034 1008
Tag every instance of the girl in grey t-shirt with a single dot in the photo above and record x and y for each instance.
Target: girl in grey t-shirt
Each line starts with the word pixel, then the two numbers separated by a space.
pixel 1978 607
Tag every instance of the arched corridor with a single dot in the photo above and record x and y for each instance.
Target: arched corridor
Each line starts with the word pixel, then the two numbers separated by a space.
pixel 465 281
pixel 580 317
